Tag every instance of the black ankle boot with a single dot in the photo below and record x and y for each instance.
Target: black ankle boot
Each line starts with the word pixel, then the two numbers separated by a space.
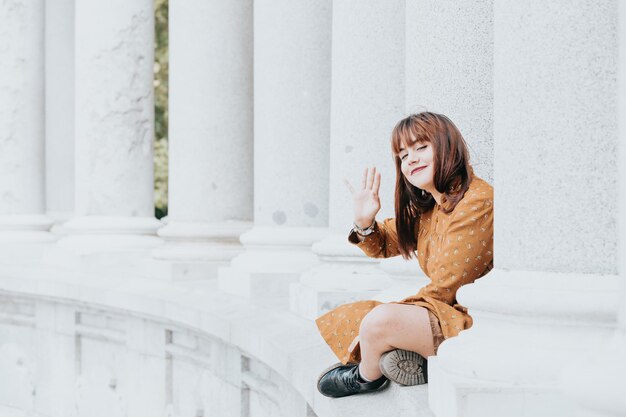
pixel 342 380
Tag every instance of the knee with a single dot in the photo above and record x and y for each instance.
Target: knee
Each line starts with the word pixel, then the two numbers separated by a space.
pixel 376 323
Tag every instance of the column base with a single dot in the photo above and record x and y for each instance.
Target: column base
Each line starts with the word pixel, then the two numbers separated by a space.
pixel 24 237
pixel 273 259
pixel 526 332
pixel 59 219
pixel 598 387
pixel 310 302
pixel 453 395
pixel 269 287
pixel 170 270
pixel 98 242
pixel 194 250
pixel 344 275
pixel 407 278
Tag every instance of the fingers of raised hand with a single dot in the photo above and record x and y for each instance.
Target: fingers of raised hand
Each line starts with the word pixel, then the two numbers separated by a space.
pixel 376 185
pixel 370 178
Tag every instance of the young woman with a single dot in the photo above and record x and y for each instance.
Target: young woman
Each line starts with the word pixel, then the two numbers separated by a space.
pixel 444 218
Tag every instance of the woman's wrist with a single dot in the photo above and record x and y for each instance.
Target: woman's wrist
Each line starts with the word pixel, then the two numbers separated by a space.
pixel 364 231
pixel 364 223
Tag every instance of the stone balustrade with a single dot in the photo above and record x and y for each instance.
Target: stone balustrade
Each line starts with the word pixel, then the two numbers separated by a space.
pixel 116 344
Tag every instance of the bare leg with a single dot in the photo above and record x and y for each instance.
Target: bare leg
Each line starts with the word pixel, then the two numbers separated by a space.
pixel 393 326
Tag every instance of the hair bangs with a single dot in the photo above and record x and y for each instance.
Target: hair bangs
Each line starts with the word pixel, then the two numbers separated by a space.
pixel 406 133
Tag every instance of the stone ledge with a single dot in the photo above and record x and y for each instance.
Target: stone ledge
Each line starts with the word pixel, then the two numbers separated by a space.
pixel 290 345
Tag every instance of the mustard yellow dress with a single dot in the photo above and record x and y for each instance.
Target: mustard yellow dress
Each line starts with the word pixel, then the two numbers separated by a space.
pixel 452 249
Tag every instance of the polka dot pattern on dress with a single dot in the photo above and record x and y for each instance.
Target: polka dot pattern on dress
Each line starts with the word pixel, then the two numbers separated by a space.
pixel 453 249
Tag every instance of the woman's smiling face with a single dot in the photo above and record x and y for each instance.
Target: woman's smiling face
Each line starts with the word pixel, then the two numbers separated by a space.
pixel 417 164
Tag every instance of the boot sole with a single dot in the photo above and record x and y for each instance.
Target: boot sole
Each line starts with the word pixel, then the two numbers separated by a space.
pixel 404 367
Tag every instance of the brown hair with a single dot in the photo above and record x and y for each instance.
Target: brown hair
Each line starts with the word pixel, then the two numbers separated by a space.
pixel 452 172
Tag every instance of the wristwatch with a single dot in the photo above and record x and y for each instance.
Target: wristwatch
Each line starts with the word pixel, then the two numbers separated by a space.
pixel 364 232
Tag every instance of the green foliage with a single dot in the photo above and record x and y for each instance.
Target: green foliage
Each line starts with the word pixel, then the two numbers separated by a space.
pixel 161 72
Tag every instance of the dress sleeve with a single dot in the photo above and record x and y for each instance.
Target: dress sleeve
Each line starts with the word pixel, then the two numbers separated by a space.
pixel 381 243
pixel 466 250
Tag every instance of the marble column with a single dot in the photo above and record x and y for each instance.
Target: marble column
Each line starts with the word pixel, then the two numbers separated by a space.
pixel 552 296
pixel 59 110
pixel 448 70
pixel 22 189
pixel 367 100
pixel 597 389
pixel 210 138
pixel 114 127
pixel 291 129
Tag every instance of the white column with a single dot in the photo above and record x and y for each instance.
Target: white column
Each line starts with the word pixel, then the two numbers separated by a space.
pixel 22 193
pixel 291 129
pixel 598 387
pixel 551 298
pixel 449 69
pixel 367 101
pixel 210 139
pixel 59 110
pixel 114 49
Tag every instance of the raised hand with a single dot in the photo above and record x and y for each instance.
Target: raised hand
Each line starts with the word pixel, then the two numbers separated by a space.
pixel 366 201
